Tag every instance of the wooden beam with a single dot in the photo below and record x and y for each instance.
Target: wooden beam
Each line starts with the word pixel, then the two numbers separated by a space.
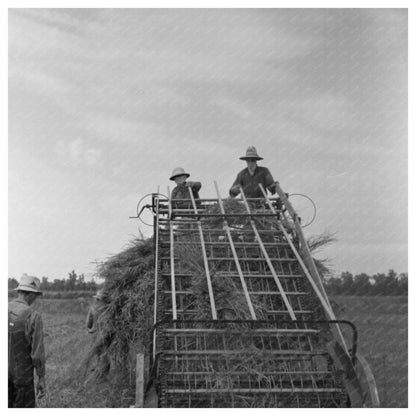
pixel 237 262
pixel 139 380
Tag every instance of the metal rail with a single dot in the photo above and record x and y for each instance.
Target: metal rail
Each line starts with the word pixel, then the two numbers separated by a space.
pixel 222 326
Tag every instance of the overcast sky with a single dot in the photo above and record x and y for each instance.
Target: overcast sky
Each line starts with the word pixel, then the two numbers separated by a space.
pixel 104 103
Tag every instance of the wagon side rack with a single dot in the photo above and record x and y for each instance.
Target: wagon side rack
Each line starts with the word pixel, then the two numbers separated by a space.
pixel 289 352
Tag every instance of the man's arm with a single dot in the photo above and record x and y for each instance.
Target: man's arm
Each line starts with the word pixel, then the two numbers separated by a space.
pixel 235 187
pixel 269 181
pixel 195 186
pixel 89 322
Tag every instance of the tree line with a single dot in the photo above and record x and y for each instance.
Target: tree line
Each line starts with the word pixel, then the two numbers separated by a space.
pixel 380 284
pixel 74 282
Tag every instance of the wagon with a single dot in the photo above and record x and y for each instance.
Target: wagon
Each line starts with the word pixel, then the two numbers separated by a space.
pixel 281 346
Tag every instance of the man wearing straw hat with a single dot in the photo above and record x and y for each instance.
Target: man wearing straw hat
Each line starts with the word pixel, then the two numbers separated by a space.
pixel 253 175
pixel 97 324
pixel 95 310
pixel 26 349
pixel 181 191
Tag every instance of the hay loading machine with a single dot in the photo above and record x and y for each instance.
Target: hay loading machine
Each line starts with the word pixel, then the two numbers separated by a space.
pixel 241 316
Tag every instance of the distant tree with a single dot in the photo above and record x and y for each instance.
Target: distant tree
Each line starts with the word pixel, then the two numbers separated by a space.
pixel 386 284
pixel 58 285
pixel 362 285
pixel 44 284
pixel 380 284
pixel 402 282
pixel 91 285
pixel 347 280
pixel 333 285
pixel 71 281
pixel 81 284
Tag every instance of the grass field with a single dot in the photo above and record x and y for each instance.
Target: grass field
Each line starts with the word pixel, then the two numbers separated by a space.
pixel 69 382
pixel 382 339
pixel 382 324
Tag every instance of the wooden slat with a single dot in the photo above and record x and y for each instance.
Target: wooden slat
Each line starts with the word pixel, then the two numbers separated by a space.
pixel 236 260
pixel 269 263
pixel 207 273
pixel 172 262
pixel 156 276
pixel 323 299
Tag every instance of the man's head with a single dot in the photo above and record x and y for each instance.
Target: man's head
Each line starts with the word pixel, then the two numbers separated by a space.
pixel 29 288
pixel 179 176
pixel 251 163
pixel 251 157
pixel 101 296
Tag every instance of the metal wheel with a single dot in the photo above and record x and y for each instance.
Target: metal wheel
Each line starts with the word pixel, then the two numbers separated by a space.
pixel 145 216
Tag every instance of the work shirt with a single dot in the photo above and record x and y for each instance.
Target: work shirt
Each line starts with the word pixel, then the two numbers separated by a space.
pixel 26 349
pixel 182 192
pixel 250 183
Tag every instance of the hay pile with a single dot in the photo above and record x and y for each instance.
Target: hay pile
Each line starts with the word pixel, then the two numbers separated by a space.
pixel 129 286
pixel 127 319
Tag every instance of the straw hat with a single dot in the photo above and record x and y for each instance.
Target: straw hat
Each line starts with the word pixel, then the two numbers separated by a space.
pixel 99 295
pixel 178 172
pixel 251 153
pixel 29 284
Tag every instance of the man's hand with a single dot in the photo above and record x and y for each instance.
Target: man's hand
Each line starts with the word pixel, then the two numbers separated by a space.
pixel 235 190
pixel 40 388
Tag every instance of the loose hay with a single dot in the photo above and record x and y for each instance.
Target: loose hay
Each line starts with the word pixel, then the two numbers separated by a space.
pixel 129 286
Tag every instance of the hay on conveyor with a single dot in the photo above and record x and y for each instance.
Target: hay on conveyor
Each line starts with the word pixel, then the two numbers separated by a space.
pixel 129 287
